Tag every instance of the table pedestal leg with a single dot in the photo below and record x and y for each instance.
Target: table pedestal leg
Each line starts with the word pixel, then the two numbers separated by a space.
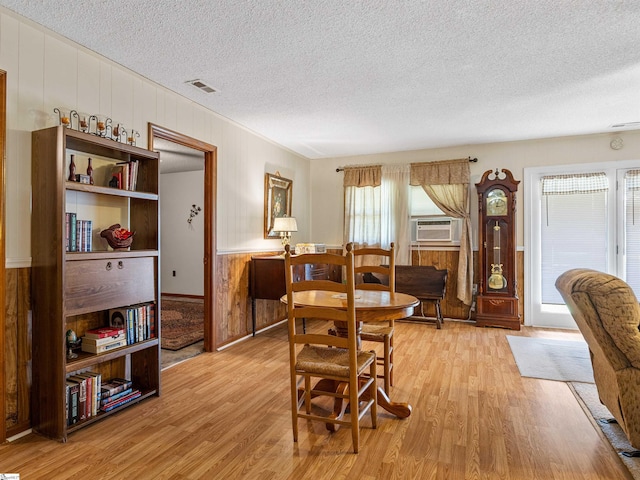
pixel 399 409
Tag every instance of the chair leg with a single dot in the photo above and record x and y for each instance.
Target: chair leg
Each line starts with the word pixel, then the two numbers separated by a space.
pixel 355 417
pixel 373 392
pixel 438 315
pixel 387 364
pixel 294 407
pixel 307 394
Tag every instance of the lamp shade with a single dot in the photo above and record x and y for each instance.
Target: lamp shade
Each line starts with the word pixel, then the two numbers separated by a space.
pixel 285 224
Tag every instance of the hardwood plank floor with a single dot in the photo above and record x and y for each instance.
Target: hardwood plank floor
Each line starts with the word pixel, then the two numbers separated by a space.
pixel 226 415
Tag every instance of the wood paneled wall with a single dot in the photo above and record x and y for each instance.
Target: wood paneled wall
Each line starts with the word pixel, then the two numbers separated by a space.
pixel 232 311
pixel 452 307
pixel 18 350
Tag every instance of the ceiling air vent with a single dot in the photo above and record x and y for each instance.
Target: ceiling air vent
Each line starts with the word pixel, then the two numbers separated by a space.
pixel 202 86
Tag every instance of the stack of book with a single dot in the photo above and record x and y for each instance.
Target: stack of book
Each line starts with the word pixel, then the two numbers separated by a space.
pixel 100 340
pixel 116 393
pixel 83 396
pixel 138 321
pixel 79 233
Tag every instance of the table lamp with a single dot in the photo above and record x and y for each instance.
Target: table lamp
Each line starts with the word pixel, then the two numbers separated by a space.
pixel 285 225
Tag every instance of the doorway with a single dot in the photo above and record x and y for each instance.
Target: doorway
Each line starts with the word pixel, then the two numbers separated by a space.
pixel 578 216
pixel 158 134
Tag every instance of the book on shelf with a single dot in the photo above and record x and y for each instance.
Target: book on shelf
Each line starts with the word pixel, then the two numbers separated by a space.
pixel 98 342
pixel 106 347
pixel 78 233
pixel 115 386
pixel 96 379
pixel 126 174
pixel 121 401
pixel 104 332
pixel 115 396
pixel 82 395
pixel 70 229
pixel 73 391
pixel 138 321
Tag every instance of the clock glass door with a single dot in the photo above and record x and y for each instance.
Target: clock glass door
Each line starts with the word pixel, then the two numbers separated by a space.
pixel 496 257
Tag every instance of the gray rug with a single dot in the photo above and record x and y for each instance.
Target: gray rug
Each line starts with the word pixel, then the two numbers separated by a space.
pixel 587 396
pixel 550 359
pixel 169 358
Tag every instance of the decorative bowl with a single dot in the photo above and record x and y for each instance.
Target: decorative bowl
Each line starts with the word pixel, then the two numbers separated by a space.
pixel 117 237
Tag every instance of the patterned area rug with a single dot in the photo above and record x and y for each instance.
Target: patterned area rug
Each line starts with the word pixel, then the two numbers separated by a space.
pixel 182 323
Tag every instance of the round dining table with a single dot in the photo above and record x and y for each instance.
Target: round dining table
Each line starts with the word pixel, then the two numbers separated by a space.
pixel 371 306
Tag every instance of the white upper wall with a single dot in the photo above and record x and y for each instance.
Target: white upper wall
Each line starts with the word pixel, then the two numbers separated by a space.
pixel 327 198
pixel 45 71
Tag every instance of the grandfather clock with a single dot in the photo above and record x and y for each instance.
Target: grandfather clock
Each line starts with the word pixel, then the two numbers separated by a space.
pixel 497 301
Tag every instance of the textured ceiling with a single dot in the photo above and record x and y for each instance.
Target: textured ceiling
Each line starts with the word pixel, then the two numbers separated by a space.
pixel 332 78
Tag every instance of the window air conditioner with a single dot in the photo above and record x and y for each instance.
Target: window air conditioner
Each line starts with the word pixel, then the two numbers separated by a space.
pixel 434 230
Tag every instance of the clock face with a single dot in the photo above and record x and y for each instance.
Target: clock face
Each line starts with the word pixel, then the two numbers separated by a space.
pixel 496 203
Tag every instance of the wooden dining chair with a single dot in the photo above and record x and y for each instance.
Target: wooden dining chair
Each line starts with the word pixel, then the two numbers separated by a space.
pixel 329 359
pixel 375 270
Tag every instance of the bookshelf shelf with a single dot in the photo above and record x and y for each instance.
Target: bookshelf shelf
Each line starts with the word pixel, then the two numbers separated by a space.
pixel 116 192
pixel 84 286
pixel 101 415
pixel 77 256
pixel 88 360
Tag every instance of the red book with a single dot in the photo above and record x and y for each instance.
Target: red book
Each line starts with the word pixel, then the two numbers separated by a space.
pixel 104 332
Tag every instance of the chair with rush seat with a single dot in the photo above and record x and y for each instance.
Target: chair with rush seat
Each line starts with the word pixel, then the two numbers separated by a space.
pixel 328 358
pixel 373 267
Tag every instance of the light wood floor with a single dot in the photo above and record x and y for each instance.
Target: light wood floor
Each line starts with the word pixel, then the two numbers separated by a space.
pixel 226 415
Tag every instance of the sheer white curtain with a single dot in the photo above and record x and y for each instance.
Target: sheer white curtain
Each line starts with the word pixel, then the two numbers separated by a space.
pixel 395 206
pixel 376 208
pixel 362 205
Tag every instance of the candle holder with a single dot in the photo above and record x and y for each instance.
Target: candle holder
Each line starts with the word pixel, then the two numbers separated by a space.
pixel 131 138
pixel 103 126
pixel 84 122
pixel 119 133
pixel 64 117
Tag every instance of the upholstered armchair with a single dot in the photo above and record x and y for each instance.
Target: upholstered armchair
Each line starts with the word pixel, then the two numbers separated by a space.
pixel 608 315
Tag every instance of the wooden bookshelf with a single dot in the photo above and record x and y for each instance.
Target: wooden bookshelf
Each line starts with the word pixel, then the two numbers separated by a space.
pixel 75 290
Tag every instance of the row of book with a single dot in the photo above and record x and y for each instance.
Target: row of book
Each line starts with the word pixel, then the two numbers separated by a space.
pixel 78 233
pixel 138 321
pixel 125 176
pixel 87 395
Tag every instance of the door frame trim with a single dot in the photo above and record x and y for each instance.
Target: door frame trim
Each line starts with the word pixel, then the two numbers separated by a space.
pixel 3 259
pixel 210 187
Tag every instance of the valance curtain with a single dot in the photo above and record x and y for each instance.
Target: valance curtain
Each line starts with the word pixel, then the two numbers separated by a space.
pixel 362 205
pixel 447 185
pixel 377 208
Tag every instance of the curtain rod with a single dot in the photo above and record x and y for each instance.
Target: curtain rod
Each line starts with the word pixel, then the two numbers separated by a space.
pixel 474 160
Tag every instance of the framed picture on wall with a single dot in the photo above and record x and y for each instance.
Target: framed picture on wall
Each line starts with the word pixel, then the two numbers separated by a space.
pixel 277 201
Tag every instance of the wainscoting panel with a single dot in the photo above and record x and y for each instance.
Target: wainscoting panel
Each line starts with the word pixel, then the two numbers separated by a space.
pixel 18 350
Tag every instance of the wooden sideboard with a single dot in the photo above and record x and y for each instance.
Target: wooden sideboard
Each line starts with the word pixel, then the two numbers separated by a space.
pixel 267 282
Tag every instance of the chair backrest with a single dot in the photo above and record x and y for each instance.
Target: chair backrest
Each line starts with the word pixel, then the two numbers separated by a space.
pixel 375 268
pixel 346 288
